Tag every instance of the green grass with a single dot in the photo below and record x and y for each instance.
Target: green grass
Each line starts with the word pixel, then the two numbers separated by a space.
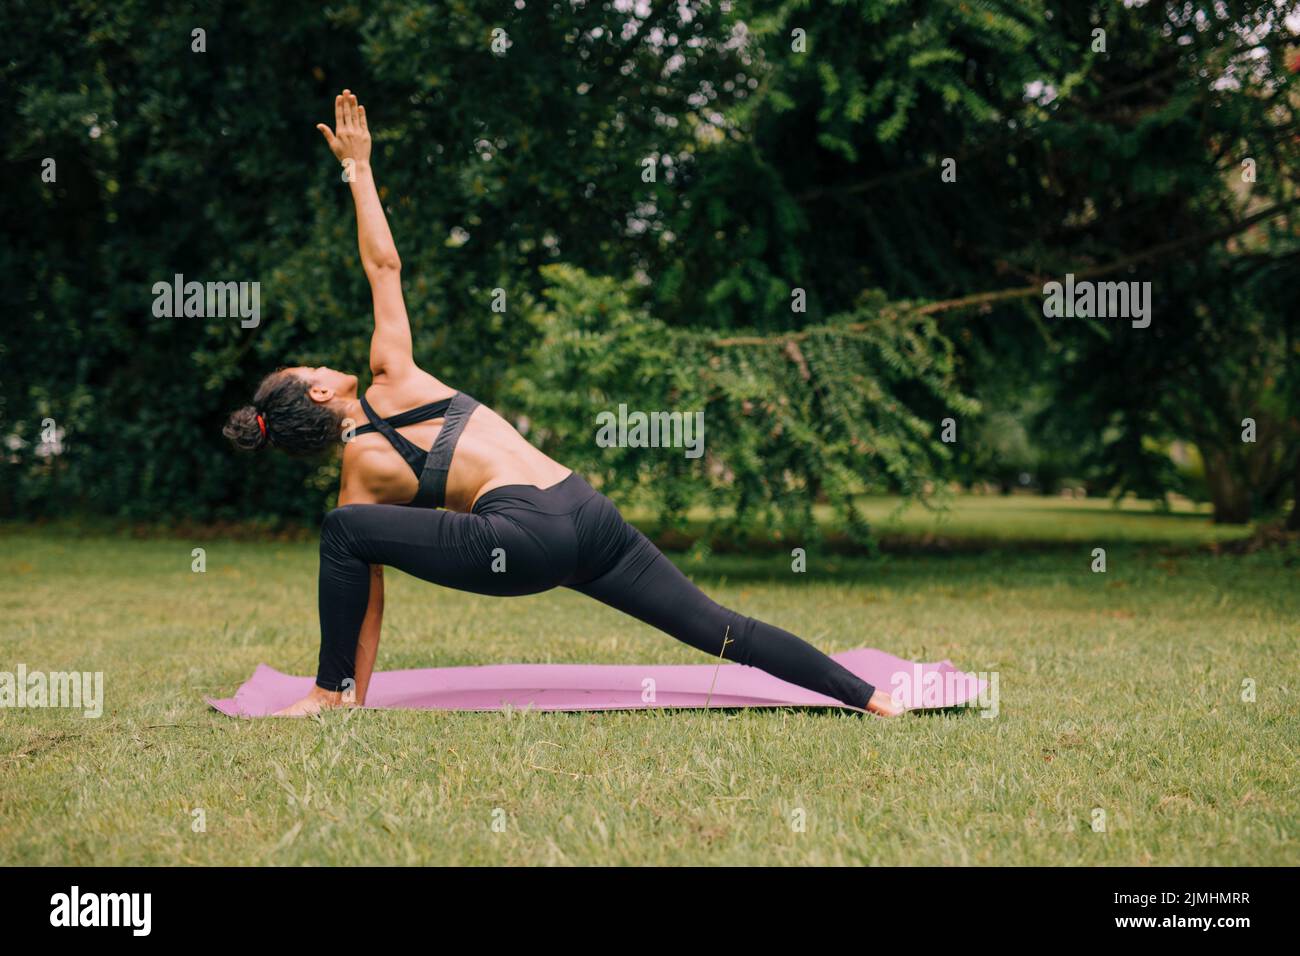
pixel 1032 518
pixel 1119 691
pixel 973 523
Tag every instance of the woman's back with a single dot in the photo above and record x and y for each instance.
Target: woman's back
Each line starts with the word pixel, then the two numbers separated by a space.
pixel 490 452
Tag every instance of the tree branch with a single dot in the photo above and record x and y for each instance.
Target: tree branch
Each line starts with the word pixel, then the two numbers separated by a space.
pixel 1160 250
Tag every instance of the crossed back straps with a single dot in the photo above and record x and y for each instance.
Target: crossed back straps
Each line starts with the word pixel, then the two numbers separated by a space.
pixel 431 466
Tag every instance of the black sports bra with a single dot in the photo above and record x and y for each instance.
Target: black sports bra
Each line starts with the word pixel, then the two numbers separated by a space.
pixel 431 466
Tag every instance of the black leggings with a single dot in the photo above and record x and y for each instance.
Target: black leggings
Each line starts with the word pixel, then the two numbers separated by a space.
pixel 567 535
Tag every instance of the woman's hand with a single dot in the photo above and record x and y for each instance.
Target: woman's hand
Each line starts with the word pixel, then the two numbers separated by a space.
pixel 350 139
pixel 318 700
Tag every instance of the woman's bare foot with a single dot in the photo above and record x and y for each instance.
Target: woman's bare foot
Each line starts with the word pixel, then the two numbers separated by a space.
pixel 882 705
pixel 319 699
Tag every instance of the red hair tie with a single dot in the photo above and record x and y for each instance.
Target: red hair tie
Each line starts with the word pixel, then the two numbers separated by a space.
pixel 261 423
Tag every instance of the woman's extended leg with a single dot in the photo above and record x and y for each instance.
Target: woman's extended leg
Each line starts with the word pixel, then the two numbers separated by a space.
pixel 646 585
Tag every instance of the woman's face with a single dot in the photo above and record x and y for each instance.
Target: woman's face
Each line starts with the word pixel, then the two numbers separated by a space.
pixel 326 384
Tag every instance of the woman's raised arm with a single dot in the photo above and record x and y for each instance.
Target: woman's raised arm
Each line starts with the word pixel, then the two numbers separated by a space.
pixel 390 347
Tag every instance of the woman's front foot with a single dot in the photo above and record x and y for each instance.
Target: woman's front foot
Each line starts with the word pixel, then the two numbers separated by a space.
pixel 319 699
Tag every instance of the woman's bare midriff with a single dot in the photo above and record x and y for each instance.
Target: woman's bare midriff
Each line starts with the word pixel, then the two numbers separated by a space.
pixel 490 454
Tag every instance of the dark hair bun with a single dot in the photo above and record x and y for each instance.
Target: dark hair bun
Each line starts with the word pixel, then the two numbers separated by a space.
pixel 243 431
pixel 294 423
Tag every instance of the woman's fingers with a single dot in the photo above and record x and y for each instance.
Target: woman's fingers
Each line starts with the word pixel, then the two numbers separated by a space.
pixel 349 118
pixel 349 109
pixel 328 134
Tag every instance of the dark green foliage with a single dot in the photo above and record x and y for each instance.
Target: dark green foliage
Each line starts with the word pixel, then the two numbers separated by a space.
pixel 786 421
pixel 775 171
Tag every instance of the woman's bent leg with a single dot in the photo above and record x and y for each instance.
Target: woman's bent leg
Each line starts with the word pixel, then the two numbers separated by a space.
pixel 447 548
pixel 646 585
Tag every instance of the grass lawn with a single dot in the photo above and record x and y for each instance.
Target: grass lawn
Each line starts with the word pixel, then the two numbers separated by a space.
pixel 1121 694
pixel 975 523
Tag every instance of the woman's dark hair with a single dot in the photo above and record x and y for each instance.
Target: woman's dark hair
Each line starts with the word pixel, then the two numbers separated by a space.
pixel 290 420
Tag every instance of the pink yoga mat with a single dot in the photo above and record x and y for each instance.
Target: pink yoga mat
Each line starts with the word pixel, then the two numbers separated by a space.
pixel 613 686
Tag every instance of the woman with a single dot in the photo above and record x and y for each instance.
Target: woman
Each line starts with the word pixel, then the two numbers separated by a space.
pixel 516 522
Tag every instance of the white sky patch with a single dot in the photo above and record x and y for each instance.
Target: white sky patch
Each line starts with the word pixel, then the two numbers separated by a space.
pixel 1040 92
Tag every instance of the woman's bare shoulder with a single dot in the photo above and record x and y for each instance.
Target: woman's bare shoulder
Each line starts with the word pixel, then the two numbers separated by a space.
pixel 389 396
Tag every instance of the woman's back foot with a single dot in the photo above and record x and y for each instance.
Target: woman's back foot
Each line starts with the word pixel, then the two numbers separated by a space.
pixel 882 705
